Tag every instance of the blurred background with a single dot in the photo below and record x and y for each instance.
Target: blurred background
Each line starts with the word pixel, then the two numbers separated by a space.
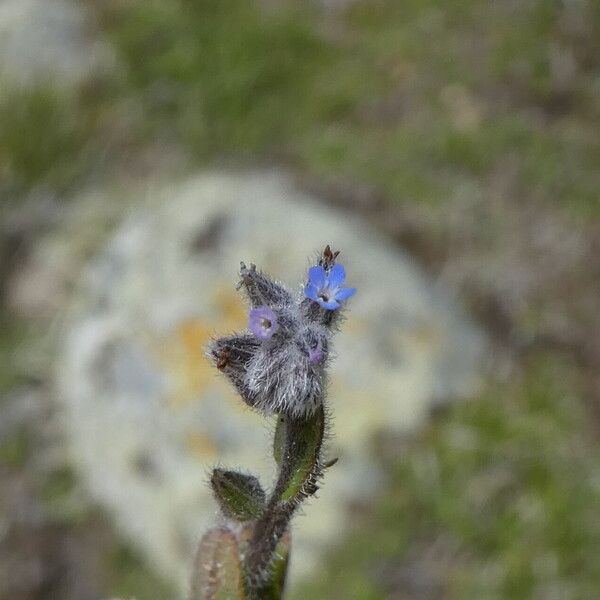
pixel 450 149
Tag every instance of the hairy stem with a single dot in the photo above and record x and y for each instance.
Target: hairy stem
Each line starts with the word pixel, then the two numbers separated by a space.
pixel 298 443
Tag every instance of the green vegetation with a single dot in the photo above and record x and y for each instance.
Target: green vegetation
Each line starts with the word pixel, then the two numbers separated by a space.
pixel 505 487
pixel 363 93
pixel 14 334
pixel 220 75
pixel 413 98
pixel 42 137
pixel 131 578
pixel 14 449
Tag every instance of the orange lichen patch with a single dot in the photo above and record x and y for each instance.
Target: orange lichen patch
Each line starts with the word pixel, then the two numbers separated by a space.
pixel 182 351
pixel 189 370
pixel 194 335
pixel 234 314
pixel 201 446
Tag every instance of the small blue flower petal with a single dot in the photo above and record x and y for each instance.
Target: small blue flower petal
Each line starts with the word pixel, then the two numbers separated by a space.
pixel 311 291
pixel 336 276
pixel 325 287
pixel 345 293
pixel 317 276
pixel 329 305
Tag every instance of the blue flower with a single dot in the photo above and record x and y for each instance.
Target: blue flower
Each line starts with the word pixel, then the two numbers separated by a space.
pixel 325 287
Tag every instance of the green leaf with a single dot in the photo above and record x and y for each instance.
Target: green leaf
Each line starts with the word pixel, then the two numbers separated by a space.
pixel 301 453
pixel 240 496
pixel 217 569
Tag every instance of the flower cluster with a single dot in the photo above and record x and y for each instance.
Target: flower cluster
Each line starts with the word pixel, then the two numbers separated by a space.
pixel 278 366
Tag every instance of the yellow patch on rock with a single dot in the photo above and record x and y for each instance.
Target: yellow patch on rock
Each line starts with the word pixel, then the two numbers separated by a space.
pixel 201 446
pixel 182 351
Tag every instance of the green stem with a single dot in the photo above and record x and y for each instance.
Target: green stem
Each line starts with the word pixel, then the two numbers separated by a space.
pixel 297 449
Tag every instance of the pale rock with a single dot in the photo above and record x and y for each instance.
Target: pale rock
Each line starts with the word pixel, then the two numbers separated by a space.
pixel 48 41
pixel 147 416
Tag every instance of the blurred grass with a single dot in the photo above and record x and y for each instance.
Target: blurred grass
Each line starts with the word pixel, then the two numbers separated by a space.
pixel 221 75
pixel 413 98
pixel 14 449
pixel 364 93
pixel 131 578
pixel 42 136
pixel 14 335
pixel 420 100
pixel 504 486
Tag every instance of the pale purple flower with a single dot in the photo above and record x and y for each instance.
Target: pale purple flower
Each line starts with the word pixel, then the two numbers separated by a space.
pixel 262 322
pixel 325 287
pixel 315 355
